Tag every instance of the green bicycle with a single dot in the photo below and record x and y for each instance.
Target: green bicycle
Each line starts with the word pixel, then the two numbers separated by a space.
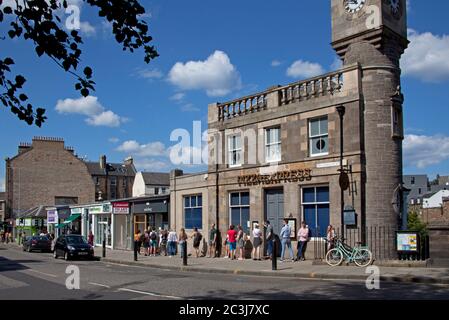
pixel 361 256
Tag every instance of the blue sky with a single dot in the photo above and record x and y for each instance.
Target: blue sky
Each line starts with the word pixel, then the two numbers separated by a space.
pixel 254 44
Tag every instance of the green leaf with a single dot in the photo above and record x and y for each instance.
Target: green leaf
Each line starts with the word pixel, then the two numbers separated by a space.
pixel 8 61
pixel 23 97
pixel 40 51
pixel 7 10
pixel 78 86
pixel 85 92
pixel 88 72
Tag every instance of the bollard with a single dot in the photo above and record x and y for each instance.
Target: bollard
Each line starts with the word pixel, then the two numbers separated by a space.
pixel 274 256
pixel 184 253
pixel 135 250
pixel 104 248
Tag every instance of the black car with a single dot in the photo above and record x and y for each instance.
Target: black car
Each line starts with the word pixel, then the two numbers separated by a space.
pixel 73 246
pixel 41 243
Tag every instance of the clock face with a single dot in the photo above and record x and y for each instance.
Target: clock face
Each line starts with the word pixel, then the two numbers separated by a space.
pixel 396 8
pixel 353 6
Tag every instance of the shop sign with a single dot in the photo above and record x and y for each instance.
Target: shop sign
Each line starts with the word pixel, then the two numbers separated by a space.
pixel 52 217
pixel 106 208
pixel 275 178
pixel 151 207
pixel 76 210
pixel 120 208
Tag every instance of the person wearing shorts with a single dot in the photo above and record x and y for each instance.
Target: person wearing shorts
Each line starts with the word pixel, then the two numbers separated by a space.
pixel 232 238
pixel 257 242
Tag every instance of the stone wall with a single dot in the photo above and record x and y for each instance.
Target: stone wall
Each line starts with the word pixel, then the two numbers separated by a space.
pixel 43 172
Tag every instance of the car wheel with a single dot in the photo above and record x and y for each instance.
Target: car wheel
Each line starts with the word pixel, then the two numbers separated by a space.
pixel 66 256
pixel 29 249
pixel 55 255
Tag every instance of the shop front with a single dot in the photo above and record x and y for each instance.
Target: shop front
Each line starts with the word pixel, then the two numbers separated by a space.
pixel 102 221
pixel 122 226
pixel 150 212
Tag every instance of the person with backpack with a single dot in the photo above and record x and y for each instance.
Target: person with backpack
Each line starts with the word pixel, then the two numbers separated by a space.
pixel 197 237
pixel 153 242
pixel 146 242
pixel 303 238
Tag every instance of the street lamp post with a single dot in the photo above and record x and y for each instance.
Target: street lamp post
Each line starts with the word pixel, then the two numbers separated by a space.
pixel 341 112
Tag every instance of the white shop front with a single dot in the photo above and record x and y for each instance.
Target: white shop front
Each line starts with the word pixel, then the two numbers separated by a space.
pixel 122 232
pixel 102 222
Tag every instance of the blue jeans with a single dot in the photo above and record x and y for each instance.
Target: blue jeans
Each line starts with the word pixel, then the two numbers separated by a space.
pixel 301 247
pixel 171 248
pixel 269 247
pixel 181 248
pixel 286 243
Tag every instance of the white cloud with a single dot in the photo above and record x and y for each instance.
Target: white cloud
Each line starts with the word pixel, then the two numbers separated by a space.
pixel 189 108
pixel 336 64
pixel 276 63
pixel 427 57
pixel 92 108
pixel 88 106
pixel 216 75
pixel 105 119
pixel 150 164
pixel 423 151
pixel 150 73
pixel 87 29
pixel 304 69
pixel 152 149
pixel 2 184
pixel 113 140
pixel 178 96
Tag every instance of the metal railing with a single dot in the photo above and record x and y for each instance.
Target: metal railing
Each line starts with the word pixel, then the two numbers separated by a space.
pixel 381 240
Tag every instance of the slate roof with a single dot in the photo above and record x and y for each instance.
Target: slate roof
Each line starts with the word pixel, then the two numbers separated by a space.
pixel 156 178
pixel 120 169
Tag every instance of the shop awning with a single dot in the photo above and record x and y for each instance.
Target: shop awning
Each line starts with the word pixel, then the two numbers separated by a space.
pixel 72 218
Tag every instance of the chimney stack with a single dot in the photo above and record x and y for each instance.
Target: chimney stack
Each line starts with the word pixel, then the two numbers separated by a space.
pixel 103 162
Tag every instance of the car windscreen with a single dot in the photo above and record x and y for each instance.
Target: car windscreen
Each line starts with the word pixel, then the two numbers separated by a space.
pixel 75 240
pixel 42 238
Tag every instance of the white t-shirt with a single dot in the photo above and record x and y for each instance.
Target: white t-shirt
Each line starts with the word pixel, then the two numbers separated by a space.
pixel 257 233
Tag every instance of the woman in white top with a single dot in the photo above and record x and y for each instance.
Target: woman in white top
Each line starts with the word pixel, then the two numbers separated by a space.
pixel 257 242
pixel 172 239
pixel 330 237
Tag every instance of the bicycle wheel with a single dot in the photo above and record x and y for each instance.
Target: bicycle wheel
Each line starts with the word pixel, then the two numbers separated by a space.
pixel 363 258
pixel 334 257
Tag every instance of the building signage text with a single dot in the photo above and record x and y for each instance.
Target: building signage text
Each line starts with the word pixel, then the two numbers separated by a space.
pixel 275 178
pixel 120 208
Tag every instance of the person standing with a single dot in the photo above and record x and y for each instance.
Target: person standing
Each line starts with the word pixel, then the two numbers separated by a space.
pixel 286 240
pixel 182 239
pixel 153 242
pixel 212 241
pixel 197 237
pixel 241 242
pixel 146 242
pixel 303 237
pixel 137 241
pixel 232 237
pixel 172 239
pixel 330 236
pixel 257 242
pixel 269 236
pixel 163 242
pixel 90 238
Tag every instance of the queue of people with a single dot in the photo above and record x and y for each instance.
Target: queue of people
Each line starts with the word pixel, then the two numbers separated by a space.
pixel 170 243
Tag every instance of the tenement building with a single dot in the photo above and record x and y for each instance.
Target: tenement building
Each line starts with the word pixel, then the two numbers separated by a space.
pixel 276 154
pixel 46 172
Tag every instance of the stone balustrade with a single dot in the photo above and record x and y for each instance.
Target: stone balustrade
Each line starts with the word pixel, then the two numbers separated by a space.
pixel 324 85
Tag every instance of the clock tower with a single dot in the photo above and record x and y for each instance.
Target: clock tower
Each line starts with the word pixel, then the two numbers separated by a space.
pixel 373 33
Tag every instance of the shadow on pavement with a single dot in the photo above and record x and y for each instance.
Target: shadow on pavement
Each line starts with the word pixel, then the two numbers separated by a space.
pixel 14 265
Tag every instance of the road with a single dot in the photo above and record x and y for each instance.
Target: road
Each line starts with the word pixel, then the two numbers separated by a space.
pixel 31 276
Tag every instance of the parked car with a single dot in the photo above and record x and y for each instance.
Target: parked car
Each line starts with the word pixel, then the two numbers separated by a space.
pixel 41 243
pixel 73 246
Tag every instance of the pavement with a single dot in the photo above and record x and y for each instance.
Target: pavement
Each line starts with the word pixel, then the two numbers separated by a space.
pixel 305 269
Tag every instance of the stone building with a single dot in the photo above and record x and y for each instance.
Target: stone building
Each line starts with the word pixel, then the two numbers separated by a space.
pixel 275 154
pixel 46 172
pixel 151 184
pixel 436 215
pixel 2 208
pixel 112 180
